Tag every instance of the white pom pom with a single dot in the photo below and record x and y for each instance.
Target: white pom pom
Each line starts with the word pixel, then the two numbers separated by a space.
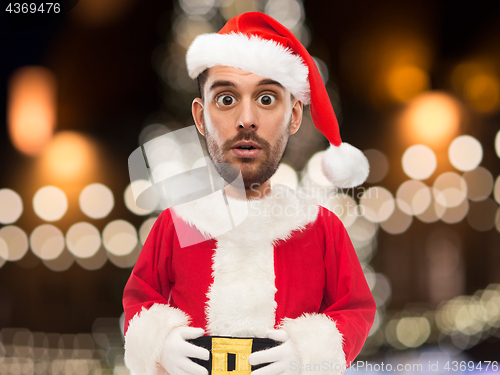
pixel 345 166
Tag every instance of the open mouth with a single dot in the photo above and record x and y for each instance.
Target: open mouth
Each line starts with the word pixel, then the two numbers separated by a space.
pixel 246 149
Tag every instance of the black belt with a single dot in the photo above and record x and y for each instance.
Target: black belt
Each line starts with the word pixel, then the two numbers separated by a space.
pixel 230 354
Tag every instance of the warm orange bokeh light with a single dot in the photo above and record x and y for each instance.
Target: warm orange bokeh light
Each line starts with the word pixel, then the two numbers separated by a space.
pixel 31 109
pixel 432 118
pixel 406 81
pixel 96 13
pixel 482 91
pixel 479 84
pixel 70 156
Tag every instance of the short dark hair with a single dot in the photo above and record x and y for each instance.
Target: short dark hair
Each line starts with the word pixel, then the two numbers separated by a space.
pixel 202 79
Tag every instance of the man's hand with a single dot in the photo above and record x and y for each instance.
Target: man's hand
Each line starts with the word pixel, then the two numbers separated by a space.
pixel 176 351
pixel 282 359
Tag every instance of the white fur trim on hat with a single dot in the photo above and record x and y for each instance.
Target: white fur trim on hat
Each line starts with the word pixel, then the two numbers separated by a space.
pixel 345 166
pixel 266 58
pixel 319 342
pixel 146 336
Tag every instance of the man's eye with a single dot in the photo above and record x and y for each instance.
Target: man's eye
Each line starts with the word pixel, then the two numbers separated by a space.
pixel 266 99
pixel 226 99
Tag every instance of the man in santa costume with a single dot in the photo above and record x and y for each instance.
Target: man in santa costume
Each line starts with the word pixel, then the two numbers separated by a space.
pixel 286 278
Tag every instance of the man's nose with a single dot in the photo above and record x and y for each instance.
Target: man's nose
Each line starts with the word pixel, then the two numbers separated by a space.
pixel 247 115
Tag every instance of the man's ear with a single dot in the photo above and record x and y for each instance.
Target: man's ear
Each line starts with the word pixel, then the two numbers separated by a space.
pixel 197 111
pixel 297 111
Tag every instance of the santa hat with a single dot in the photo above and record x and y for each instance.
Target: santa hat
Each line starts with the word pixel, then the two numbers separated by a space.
pixel 257 43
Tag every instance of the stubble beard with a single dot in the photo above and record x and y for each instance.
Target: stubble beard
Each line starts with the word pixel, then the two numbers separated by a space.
pixel 254 173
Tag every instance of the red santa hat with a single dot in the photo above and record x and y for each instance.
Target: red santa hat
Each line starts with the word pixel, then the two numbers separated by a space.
pixel 257 43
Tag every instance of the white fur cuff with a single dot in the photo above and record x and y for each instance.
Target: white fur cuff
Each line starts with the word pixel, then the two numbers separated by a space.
pixel 319 343
pixel 146 336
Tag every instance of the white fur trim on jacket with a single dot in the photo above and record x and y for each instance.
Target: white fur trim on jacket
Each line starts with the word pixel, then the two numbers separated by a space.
pixel 146 336
pixel 345 166
pixel 241 297
pixel 319 342
pixel 266 58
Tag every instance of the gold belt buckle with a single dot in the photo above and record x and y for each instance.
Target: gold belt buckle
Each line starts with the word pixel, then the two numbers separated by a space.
pixel 241 348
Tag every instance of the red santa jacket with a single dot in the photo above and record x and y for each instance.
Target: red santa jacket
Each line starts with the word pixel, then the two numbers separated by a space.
pixel 286 264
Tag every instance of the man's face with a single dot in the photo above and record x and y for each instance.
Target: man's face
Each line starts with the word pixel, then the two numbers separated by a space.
pixel 246 120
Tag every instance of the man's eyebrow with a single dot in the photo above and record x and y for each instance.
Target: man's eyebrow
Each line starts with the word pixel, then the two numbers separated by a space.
pixel 268 81
pixel 221 84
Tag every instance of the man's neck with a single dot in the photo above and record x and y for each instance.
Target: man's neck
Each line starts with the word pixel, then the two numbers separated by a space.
pixel 253 192
pixel 259 191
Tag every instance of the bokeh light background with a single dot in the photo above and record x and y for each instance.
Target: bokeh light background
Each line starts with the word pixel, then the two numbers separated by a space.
pixel 415 85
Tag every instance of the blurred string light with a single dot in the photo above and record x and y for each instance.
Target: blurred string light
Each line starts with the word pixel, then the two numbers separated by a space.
pixel 398 222
pixel 381 289
pixel 496 190
pixel 125 261
pixel 96 201
pixel 186 28
pixel 433 212
pixel 365 250
pixel 379 165
pixel 146 228
pixel 497 222
pixel 14 243
pixel 95 13
pixel 449 189
pixel 231 8
pixel 167 157
pixel 50 203
pixel 461 321
pixel 413 197
pixel 470 319
pixel 197 7
pixel 412 332
pixel 479 184
pixel 12 206
pixel 455 214
pixel 465 153
pixel 404 82
pixel 288 12
pixel 137 187
pixel 25 352
pixel 83 240
pixel 478 83
pixel 344 206
pixel 47 242
pixel 95 262
pixel 31 109
pixel 392 63
pixel 497 143
pixel 377 204
pixel 323 69
pixel 445 268
pixel 154 130
pixel 120 237
pixel 62 263
pixel 362 231
pixel 481 215
pixel 4 252
pixel 70 156
pixel 419 162
pixel 432 118
pixel 314 170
